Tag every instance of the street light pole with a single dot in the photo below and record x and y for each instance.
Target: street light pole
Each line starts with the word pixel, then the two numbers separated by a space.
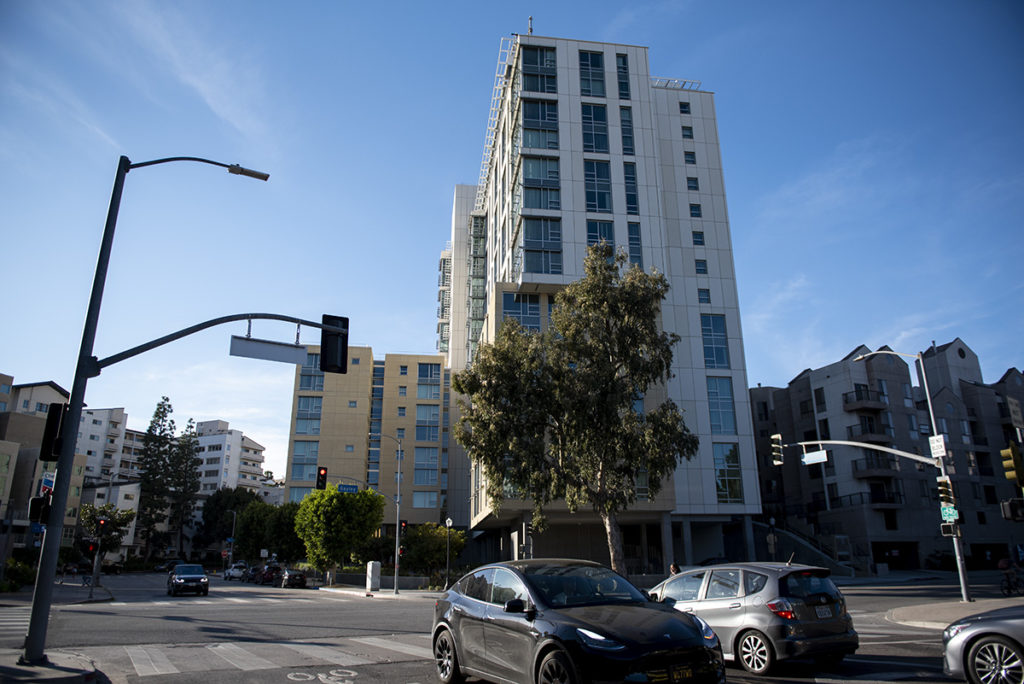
pixel 958 550
pixel 87 367
pixel 231 551
pixel 447 550
pixel 398 503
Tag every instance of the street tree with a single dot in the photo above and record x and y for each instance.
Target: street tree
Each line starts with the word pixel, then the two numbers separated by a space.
pixel 253 531
pixel 183 482
pixel 111 532
pixel 287 544
pixel 218 521
pixel 157 445
pixel 333 525
pixel 579 413
pixel 429 547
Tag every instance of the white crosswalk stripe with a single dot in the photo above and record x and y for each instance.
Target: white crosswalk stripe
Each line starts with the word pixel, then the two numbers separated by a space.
pixel 14 621
pixel 162 659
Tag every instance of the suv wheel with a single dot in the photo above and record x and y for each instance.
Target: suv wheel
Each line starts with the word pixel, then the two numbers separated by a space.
pixel 755 652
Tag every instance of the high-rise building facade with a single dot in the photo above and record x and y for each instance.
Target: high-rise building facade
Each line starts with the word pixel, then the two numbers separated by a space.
pixel 871 508
pixel 382 417
pixel 583 145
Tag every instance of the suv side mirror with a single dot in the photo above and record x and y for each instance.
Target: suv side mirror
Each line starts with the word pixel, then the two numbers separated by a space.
pixel 515 605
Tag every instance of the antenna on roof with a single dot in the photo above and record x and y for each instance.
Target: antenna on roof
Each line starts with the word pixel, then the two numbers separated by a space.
pixel 529 31
pixel 791 557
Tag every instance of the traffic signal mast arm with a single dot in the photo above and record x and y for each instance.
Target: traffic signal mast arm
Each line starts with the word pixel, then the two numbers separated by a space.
pixel 862 445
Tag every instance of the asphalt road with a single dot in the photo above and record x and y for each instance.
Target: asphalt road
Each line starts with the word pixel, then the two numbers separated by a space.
pixel 246 633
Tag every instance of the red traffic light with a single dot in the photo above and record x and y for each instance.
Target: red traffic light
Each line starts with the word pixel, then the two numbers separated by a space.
pixel 321 477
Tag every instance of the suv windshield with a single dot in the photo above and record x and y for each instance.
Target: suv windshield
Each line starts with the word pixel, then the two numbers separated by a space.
pixel 189 570
pixel 560 585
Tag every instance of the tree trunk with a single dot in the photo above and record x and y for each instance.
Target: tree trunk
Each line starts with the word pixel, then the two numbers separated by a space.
pixel 614 534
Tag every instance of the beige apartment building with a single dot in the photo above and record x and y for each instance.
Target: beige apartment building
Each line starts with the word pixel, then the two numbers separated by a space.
pixel 383 416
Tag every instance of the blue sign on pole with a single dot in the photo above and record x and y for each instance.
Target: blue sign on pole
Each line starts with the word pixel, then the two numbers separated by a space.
pixel 348 488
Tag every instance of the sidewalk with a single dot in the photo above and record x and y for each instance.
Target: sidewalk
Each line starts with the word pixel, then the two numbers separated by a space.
pixel 61 667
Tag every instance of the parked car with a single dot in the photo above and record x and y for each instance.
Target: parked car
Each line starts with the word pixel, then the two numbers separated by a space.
pixel 253 574
pixel 113 568
pixel 238 571
pixel 293 578
pixel 766 612
pixel 271 575
pixel 987 647
pixel 567 621
pixel 186 577
pixel 168 565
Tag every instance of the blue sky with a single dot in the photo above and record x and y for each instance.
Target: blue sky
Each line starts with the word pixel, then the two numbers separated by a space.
pixel 872 153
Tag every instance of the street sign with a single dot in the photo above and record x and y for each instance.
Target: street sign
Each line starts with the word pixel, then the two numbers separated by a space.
pixel 268 350
pixel 938 446
pixel 348 488
pixel 949 513
pixel 48 479
pixel 812 457
pixel 1016 417
pixel 224 553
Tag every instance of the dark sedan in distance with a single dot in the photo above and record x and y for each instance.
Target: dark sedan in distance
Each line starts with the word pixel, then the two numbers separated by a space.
pixel 562 621
pixel 185 577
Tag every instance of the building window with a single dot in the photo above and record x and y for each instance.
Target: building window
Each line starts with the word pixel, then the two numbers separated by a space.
pixel 307 426
pixel 695 211
pixel 311 379
pixel 701 266
pixel 297 494
pixel 425 469
pixel 403 370
pixel 428 391
pixel 400 433
pixel 819 399
pixel 688 132
pixel 716 342
pixel 595 128
pixel 350 448
pixel 353 403
pixel 692 183
pixel 690 157
pixel 632 194
pixel 428 421
pixel 542 245
pixel 402 390
pixel 622 68
pixel 600 230
pixel 540 183
pixel 597 180
pixel 540 124
pixel 684 107
pixel 635 248
pixel 592 73
pixel 539 72
pixel 525 308
pixel 626 117
pixel 720 405
pixel 355 360
pixel 424 499
pixel 703 295
pixel 728 476
pixel 698 238
pixel 401 412
pixel 304 457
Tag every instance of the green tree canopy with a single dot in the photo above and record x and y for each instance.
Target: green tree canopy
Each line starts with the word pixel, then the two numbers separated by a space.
pixel 157 445
pixel 557 415
pixel 218 521
pixel 112 532
pixel 253 532
pixel 427 547
pixel 333 525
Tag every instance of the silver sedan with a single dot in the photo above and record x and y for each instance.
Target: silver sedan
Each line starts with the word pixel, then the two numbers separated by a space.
pixel 986 648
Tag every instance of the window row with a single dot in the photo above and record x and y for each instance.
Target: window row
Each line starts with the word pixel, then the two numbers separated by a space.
pixel 542 243
pixel 540 74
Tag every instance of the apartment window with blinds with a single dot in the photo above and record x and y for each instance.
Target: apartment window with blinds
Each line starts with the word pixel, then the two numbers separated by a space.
pixel 635 247
pixel 595 128
pixel 539 73
pixel 542 245
pixel 592 73
pixel 626 119
pixel 632 193
pixel 597 180
pixel 622 70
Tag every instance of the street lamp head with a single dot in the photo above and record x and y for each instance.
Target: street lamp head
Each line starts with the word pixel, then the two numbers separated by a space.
pixel 448 522
pixel 242 171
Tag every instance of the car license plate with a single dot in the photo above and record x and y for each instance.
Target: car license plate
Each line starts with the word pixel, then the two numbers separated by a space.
pixel 823 611
pixel 681 673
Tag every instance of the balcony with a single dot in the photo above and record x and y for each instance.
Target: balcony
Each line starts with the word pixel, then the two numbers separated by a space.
pixel 878 500
pixel 875 466
pixel 870 434
pixel 863 400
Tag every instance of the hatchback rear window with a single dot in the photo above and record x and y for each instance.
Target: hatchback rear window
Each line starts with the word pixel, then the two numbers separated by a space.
pixel 804 584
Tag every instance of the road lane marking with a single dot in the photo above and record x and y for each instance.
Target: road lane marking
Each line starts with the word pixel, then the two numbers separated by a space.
pixel 240 658
pixel 328 654
pixel 408 649
pixel 149 661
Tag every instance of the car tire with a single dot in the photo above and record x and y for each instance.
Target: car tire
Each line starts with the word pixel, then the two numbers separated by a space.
pixel 994 658
pixel 755 653
pixel 556 668
pixel 446 660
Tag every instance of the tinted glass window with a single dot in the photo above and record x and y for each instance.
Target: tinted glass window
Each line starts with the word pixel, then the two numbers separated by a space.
pixel 560 585
pixel 724 584
pixel 506 587
pixel 189 570
pixel 685 588
pixel 804 584
pixel 754 582
pixel 478 585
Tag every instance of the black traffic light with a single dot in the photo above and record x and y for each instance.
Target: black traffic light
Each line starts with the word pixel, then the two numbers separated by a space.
pixel 777 449
pixel 1012 509
pixel 321 477
pixel 92 547
pixel 402 524
pixel 39 508
pixel 334 345
pixel 101 524
pixel 949 529
pixel 51 445
pixel 946 497
pixel 1012 464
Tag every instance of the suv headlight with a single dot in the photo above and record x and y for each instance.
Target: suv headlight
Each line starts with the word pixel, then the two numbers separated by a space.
pixel 597 641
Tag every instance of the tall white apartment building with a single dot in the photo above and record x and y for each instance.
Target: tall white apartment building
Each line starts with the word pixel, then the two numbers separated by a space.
pixel 101 437
pixel 584 145
pixel 227 458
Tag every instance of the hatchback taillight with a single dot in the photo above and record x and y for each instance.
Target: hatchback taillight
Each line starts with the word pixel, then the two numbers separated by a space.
pixel 781 607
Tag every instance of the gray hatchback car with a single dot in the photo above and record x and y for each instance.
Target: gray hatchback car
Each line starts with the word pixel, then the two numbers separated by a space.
pixel 766 612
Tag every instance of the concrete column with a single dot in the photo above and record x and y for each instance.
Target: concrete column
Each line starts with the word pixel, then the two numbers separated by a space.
pixel 667 551
pixel 687 542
